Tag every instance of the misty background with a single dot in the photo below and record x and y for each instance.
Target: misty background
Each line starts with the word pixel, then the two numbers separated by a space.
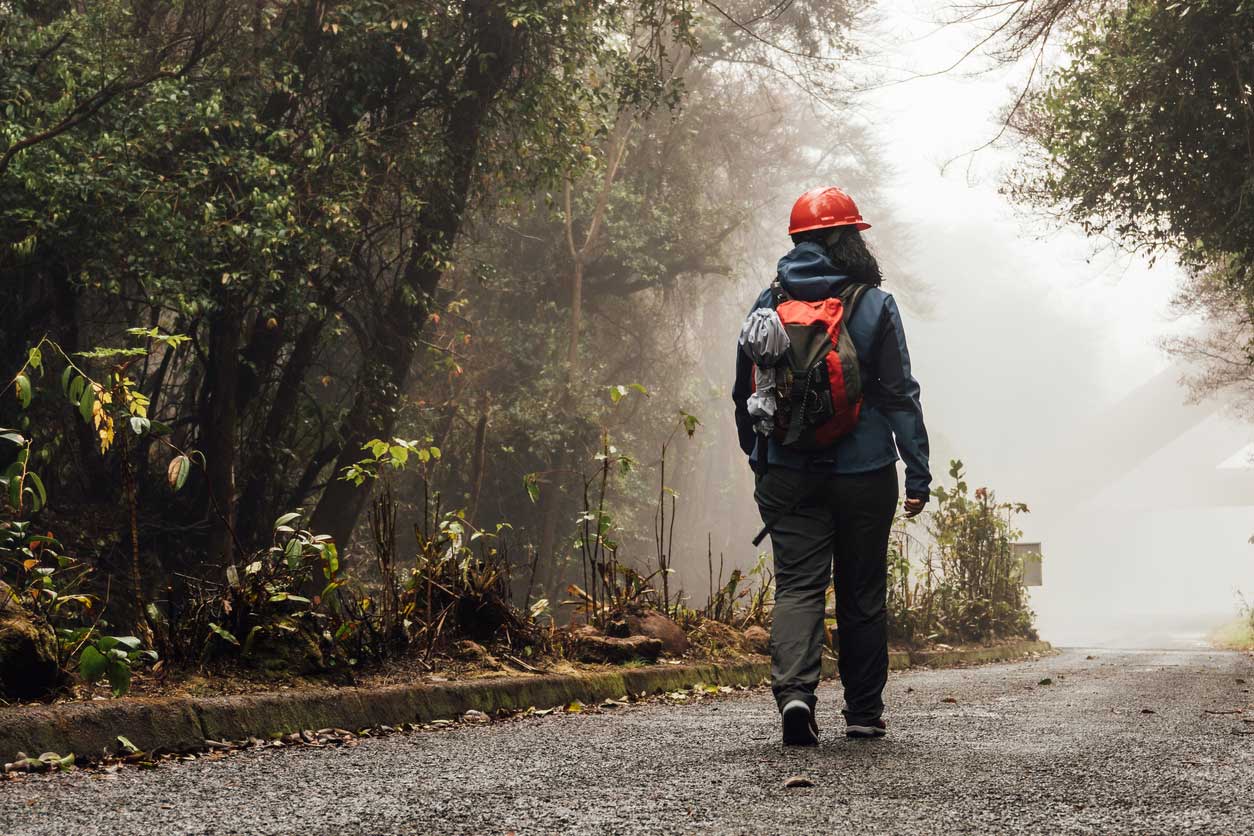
pixel 1039 354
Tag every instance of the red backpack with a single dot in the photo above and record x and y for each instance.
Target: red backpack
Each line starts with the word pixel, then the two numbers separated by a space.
pixel 819 385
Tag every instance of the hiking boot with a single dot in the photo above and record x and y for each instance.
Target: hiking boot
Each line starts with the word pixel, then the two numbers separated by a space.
pixel 870 728
pixel 799 726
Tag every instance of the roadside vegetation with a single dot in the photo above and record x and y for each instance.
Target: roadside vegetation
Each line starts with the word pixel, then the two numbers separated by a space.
pixel 1238 634
pixel 355 335
pixel 960 581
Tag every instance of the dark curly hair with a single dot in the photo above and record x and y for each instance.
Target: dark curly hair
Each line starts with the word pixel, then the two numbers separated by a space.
pixel 848 251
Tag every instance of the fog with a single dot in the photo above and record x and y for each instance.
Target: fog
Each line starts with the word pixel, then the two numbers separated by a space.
pixel 1036 338
pixel 1038 353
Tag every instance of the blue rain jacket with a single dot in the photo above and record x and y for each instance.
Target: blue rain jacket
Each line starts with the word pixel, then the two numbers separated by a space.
pixel 891 421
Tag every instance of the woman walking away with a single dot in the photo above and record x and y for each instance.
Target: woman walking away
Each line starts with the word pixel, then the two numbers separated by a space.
pixel 825 402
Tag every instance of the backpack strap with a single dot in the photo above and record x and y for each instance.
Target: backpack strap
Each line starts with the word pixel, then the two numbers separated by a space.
pixel 852 295
pixel 778 294
pixel 797 415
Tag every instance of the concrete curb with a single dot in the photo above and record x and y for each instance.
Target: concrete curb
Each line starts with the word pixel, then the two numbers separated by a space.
pixel 977 655
pixel 90 730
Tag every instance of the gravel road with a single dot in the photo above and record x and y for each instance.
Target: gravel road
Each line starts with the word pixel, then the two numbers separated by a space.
pixel 1120 742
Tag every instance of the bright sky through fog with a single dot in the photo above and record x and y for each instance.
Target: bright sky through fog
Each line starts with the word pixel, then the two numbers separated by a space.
pixel 1031 335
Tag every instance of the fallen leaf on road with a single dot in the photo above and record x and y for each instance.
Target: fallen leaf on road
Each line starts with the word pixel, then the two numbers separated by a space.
pixel 1090 658
pixel 1223 711
pixel 1046 681
pixel 798 781
pixel 1148 711
pixel 949 699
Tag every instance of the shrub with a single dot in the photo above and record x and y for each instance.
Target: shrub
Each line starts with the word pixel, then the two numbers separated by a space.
pixel 968 586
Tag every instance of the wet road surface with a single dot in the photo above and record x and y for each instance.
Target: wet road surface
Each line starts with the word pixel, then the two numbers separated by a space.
pixel 1122 742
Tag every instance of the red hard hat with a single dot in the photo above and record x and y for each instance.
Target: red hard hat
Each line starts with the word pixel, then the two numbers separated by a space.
pixel 823 207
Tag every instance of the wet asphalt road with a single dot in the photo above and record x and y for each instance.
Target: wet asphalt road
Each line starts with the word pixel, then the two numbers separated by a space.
pixel 1009 755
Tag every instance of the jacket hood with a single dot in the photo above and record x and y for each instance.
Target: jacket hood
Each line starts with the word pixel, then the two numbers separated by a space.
pixel 808 274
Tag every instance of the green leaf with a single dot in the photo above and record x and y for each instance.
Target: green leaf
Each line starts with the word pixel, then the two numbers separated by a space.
pixel 75 392
pixel 287 518
pixel 41 495
pixel 127 746
pixel 331 555
pixel 22 384
pixel 65 379
pixel 691 422
pixel 288 596
pixel 224 633
pixel 130 642
pixel 91 664
pixel 119 675
pixel 292 552
pixel 139 424
pixel 86 402
pixel 399 455
pixel 35 359
pixel 16 437
pixel 176 473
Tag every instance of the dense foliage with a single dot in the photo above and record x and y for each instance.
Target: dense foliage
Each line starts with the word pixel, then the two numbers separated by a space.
pixel 300 245
pixel 1144 135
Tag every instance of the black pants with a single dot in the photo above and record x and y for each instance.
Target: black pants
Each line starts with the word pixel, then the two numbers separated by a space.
pixel 841 529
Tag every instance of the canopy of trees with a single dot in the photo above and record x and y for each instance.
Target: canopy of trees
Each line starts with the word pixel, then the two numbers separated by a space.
pixel 453 224
pixel 1144 135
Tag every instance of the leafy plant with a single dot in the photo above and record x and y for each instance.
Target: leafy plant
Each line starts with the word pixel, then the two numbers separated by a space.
pixel 969 584
pixel 111 657
pixel 103 404
pixel 394 454
pixel 47 583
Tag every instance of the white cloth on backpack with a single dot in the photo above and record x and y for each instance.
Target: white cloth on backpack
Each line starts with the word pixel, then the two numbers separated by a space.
pixel 765 342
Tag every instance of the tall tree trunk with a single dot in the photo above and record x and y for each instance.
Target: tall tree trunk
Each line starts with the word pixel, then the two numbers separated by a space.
pixel 479 460
pixel 492 52
pixel 256 507
pixel 220 433
pixel 615 149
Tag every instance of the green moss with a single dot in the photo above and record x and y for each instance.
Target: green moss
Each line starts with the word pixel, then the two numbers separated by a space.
pixel 28 658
